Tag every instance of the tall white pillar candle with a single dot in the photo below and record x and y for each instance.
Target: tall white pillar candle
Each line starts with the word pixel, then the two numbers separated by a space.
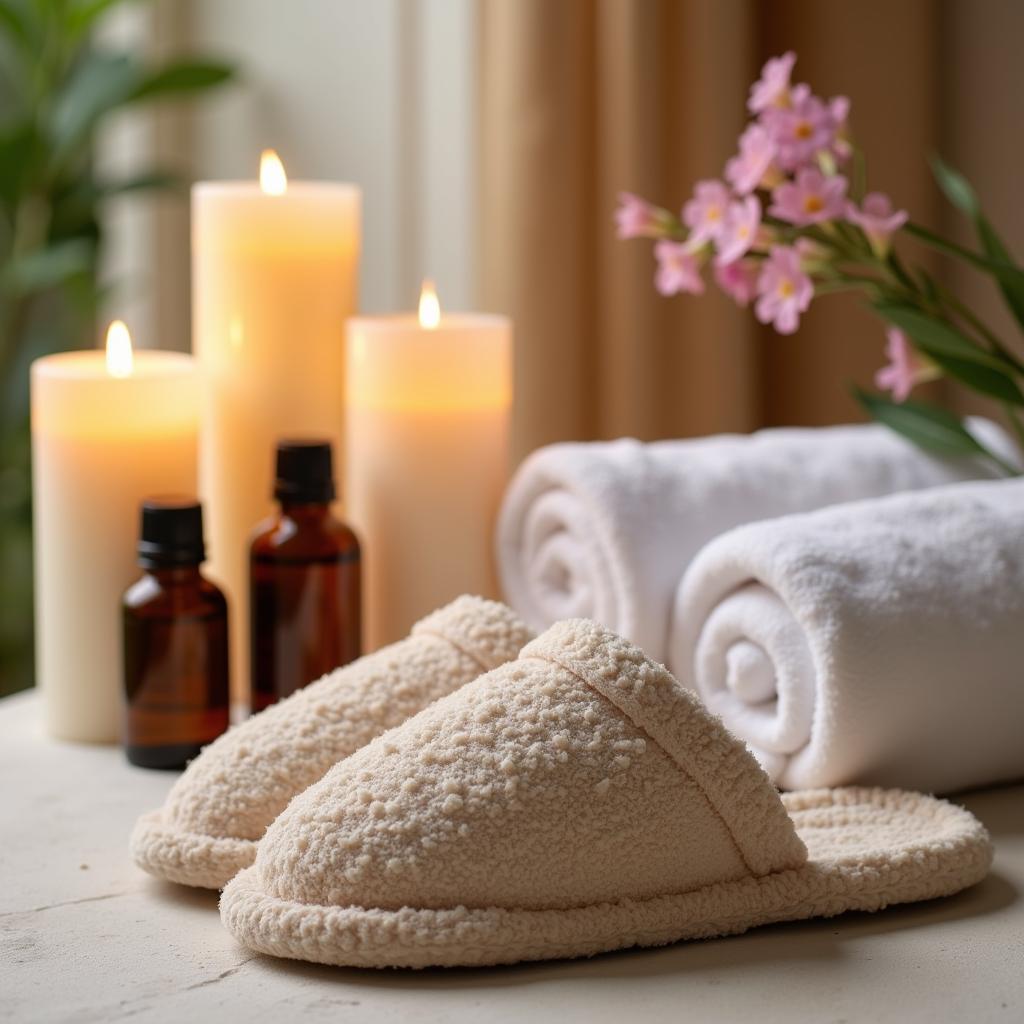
pixel 107 431
pixel 274 277
pixel 427 413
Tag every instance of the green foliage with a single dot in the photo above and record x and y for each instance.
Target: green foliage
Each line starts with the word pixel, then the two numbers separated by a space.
pixel 955 187
pixel 56 89
pixel 1002 268
pixel 928 426
pixel 959 192
pixel 936 337
pixel 950 335
pixel 988 373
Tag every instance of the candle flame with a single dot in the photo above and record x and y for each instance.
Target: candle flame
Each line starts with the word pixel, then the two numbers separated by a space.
pixel 273 180
pixel 430 307
pixel 119 350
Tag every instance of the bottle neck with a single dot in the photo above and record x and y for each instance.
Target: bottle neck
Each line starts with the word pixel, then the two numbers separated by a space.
pixel 173 575
pixel 306 512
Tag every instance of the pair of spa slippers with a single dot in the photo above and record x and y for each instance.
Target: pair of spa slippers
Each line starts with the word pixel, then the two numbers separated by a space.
pixel 409 811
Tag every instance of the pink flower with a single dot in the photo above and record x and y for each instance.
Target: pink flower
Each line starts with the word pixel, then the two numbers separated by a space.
pixel 877 219
pixel 807 127
pixel 738 280
pixel 678 269
pixel 637 218
pixel 705 213
pixel 784 291
pixel 772 88
pixel 812 198
pixel 742 221
pixel 906 368
pixel 839 111
pixel 755 161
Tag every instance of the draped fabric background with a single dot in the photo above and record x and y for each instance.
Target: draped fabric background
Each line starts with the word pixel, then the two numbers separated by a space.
pixel 583 98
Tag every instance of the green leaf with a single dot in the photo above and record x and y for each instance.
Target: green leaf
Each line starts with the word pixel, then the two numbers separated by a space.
pixel 960 193
pixel 1002 269
pixel 928 426
pixel 17 144
pixel 13 20
pixel 182 77
pixel 142 182
pixel 105 81
pixel 101 82
pixel 1011 287
pixel 955 186
pixel 936 338
pixel 74 210
pixel 896 265
pixel 927 283
pixel 981 378
pixel 81 17
pixel 49 267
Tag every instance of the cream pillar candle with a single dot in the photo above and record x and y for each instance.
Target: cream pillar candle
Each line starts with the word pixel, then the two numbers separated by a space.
pixel 107 430
pixel 427 414
pixel 274 276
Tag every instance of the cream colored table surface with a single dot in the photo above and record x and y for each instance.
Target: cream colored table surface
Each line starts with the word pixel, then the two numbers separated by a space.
pixel 85 936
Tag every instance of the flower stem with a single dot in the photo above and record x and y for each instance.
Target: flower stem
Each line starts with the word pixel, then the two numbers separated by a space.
pixel 947 297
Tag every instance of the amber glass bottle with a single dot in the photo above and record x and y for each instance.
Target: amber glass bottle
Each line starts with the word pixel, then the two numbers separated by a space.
pixel 175 642
pixel 305 579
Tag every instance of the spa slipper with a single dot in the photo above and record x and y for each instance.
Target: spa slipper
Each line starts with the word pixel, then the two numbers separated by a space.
pixel 574 801
pixel 216 812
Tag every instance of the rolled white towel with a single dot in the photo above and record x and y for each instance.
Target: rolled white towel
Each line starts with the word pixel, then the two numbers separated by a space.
pixel 879 642
pixel 605 530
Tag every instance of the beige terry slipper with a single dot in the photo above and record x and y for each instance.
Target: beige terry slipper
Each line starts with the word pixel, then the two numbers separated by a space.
pixel 217 811
pixel 574 801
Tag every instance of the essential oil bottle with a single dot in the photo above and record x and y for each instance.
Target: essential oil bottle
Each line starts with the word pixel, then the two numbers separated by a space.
pixel 175 642
pixel 305 579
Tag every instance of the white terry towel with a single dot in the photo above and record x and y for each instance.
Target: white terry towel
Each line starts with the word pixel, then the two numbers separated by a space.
pixel 877 642
pixel 605 530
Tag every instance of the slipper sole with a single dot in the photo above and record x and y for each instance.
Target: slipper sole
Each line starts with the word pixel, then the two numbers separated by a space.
pixel 868 849
pixel 189 858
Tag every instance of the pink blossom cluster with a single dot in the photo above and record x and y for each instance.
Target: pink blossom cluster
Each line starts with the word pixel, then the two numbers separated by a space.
pixel 785 182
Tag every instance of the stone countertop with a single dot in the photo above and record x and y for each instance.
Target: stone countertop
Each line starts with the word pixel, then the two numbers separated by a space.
pixel 87 937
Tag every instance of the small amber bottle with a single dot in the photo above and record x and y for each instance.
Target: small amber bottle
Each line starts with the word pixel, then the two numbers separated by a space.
pixel 175 642
pixel 305 579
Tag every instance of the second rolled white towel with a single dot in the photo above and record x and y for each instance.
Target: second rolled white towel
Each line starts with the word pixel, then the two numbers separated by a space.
pixel 605 530
pixel 878 642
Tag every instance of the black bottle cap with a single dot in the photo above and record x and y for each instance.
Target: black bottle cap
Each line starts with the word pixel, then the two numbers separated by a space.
pixel 171 532
pixel 305 474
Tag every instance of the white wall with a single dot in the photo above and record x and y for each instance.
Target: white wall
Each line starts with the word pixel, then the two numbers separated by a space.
pixel 379 93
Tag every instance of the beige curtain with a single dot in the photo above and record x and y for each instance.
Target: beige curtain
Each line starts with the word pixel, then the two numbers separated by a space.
pixel 584 98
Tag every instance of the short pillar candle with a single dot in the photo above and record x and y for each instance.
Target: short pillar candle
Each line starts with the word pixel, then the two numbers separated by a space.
pixel 107 431
pixel 427 414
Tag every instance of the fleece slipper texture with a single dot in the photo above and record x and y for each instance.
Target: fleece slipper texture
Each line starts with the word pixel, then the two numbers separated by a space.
pixel 217 811
pixel 575 801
